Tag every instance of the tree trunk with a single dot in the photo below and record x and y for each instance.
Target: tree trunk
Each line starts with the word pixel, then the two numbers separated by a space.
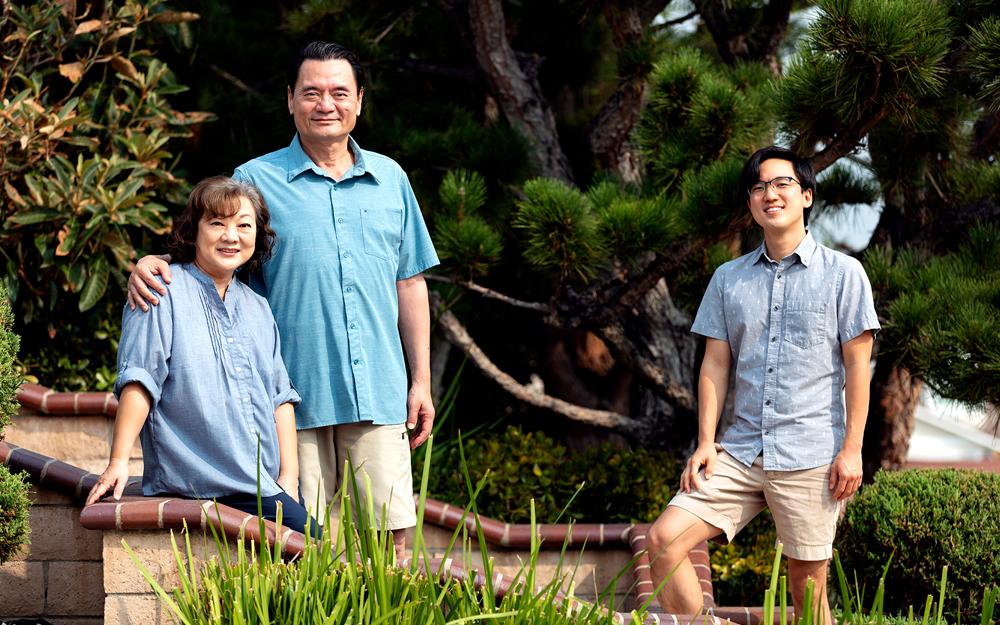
pixel 610 131
pixel 517 93
pixel 664 332
pixel 894 398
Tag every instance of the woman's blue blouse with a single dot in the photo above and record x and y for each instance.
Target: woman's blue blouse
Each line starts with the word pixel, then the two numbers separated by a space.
pixel 214 372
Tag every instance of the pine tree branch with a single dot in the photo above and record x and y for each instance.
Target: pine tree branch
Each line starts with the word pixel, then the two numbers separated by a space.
pixel 648 374
pixel 490 293
pixel 457 335
pixel 586 311
pixel 847 140
pixel 679 20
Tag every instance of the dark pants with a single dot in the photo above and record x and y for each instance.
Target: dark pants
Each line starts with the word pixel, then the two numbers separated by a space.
pixel 293 513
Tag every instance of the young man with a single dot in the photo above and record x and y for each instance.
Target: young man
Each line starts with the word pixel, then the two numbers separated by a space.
pixel 798 320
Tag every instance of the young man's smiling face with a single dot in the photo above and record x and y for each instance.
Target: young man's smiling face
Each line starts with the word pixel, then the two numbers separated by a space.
pixel 780 211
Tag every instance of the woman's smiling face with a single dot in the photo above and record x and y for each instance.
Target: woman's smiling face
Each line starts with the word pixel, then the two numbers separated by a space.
pixel 225 243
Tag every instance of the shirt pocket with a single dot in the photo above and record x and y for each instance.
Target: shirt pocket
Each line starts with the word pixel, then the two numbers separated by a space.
pixel 805 323
pixel 382 229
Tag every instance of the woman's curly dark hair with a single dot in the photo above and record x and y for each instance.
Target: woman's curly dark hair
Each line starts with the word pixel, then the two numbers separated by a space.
pixel 219 196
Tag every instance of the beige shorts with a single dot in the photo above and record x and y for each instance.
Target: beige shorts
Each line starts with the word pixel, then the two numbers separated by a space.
pixel 380 451
pixel 801 502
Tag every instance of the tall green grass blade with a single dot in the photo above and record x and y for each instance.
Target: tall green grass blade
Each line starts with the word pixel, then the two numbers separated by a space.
pixel 944 582
pixel 990 596
pixel 164 597
pixel 846 616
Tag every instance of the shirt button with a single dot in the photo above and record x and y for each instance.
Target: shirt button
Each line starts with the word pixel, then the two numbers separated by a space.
pixel 246 399
pixel 340 221
pixel 238 369
pixel 776 308
pixel 230 340
pixel 346 254
pixel 252 430
pixel 767 403
pixel 770 369
pixel 352 326
pixel 779 276
pixel 348 289
pixel 774 338
pixel 355 362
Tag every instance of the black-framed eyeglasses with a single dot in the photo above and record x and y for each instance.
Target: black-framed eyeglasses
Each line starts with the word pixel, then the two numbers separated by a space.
pixel 779 184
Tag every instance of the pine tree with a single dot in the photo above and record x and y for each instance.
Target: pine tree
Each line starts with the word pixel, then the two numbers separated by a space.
pixel 14 503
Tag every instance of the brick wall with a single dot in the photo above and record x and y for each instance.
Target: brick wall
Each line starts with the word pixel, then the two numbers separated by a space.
pixel 60 577
pixel 83 441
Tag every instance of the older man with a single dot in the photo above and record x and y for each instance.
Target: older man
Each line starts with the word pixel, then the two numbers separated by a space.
pixel 346 290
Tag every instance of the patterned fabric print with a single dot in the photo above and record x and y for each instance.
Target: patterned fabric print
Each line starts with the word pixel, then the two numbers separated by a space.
pixel 785 323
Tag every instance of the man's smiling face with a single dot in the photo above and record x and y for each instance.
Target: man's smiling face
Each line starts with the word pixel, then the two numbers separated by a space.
pixel 325 102
pixel 777 211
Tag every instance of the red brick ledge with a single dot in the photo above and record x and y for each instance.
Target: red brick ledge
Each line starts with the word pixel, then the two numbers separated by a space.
pixel 47 401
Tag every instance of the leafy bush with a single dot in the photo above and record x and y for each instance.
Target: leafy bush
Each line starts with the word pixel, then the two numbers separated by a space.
pixel 85 167
pixel 935 517
pixel 14 504
pixel 619 486
pixel 741 569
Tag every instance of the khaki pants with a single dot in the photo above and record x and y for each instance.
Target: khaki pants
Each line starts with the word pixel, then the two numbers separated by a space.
pixel 382 452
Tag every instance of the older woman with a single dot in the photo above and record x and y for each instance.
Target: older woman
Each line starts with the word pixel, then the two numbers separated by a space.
pixel 200 377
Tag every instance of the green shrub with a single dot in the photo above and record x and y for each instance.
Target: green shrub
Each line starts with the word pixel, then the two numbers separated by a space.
pixel 14 504
pixel 619 486
pixel 741 570
pixel 925 519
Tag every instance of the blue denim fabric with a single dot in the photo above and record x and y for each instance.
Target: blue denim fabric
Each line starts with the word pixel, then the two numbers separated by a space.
pixel 331 284
pixel 214 373
pixel 785 323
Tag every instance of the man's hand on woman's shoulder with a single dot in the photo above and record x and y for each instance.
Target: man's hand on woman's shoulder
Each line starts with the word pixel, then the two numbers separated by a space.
pixel 143 277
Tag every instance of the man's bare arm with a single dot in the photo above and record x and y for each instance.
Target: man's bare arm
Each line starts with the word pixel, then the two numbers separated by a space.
pixel 143 277
pixel 415 332
pixel 847 470
pixel 713 384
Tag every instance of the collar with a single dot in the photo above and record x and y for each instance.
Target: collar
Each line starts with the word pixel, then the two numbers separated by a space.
pixel 209 284
pixel 299 161
pixel 804 251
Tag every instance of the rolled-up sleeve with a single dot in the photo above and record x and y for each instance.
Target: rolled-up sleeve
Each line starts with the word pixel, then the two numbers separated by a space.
pixel 711 318
pixel 283 392
pixel 855 306
pixel 144 348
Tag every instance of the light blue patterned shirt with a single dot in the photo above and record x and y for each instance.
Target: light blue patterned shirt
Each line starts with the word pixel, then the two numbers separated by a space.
pixel 331 283
pixel 785 323
pixel 214 373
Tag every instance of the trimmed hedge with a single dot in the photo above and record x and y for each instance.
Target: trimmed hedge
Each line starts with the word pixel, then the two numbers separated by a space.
pixel 926 519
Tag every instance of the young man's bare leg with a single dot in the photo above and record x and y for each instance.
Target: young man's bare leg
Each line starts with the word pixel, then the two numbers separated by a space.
pixel 669 540
pixel 399 544
pixel 799 574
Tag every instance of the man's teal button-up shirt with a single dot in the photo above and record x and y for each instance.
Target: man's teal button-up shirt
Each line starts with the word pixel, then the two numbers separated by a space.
pixel 331 283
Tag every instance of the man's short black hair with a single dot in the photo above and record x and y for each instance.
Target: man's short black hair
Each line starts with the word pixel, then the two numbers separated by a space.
pixel 803 171
pixel 322 51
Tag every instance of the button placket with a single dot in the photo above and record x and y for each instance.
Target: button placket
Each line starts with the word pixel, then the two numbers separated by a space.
pixel 775 316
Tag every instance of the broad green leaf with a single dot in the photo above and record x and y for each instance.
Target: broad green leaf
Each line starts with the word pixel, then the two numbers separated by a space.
pixel 33 217
pixel 96 284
